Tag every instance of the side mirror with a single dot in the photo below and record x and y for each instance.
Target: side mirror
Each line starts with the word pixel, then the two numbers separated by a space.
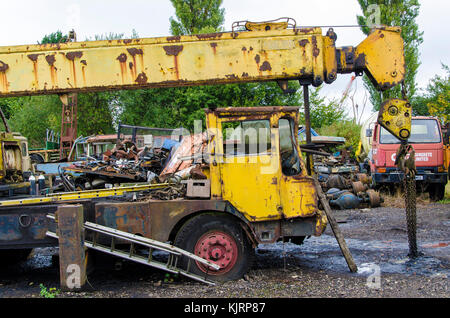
pixel 369 132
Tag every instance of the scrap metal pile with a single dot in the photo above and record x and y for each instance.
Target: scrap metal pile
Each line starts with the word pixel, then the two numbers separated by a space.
pixel 344 185
pixel 171 163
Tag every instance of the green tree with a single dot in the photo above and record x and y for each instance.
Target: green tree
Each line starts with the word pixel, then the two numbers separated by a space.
pixel 402 13
pixel 181 106
pixel 196 16
pixel 32 115
pixel 55 37
pixel 437 97
pixel 344 128
pixel 323 112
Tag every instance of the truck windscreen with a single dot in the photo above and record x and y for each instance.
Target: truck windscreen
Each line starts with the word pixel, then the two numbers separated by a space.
pixel 422 131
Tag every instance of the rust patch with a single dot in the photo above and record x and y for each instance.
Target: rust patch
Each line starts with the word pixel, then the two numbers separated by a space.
pixel 50 59
pixel 208 36
pixel 303 42
pixel 214 46
pixel 231 76
pixel 306 30
pixel 316 50
pixel 3 81
pixel 53 75
pixel 33 57
pixel 360 61
pixel 173 49
pixel 244 49
pixel 133 51
pixel 130 65
pixel 83 62
pixel 3 66
pixel 245 74
pixel 127 41
pixel 265 66
pixel 257 58
pixel 84 75
pixel 122 58
pixel 141 79
pixel 73 55
pixel 173 38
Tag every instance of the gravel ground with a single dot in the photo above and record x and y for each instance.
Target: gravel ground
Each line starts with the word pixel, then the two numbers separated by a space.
pixel 376 237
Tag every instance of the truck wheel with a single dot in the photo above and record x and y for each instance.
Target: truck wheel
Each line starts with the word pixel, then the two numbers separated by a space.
pixel 217 238
pixel 436 191
pixel 36 158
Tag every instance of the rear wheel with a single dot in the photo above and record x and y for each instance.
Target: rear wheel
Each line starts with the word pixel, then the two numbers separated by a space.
pixel 219 239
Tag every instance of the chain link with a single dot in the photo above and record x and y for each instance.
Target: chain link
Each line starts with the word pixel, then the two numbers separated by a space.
pixel 408 167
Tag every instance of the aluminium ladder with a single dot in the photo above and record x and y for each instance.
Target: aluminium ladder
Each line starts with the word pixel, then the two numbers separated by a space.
pixel 174 252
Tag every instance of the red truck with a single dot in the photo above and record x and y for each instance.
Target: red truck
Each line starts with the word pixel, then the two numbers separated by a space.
pixel 427 141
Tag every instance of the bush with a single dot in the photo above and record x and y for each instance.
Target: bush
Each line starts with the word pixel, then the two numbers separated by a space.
pixel 345 128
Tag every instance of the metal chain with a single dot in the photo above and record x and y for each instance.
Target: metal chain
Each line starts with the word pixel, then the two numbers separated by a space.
pixel 409 184
pixel 411 216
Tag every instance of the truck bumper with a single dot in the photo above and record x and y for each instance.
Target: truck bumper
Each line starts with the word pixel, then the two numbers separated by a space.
pixel 397 177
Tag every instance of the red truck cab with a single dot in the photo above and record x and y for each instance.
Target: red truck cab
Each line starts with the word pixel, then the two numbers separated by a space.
pixel 427 141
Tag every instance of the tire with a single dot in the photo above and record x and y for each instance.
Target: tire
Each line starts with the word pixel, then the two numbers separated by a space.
pixel 437 191
pixel 36 158
pixel 207 234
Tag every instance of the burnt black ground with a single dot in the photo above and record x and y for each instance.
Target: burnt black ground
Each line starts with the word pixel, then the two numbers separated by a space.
pixel 376 237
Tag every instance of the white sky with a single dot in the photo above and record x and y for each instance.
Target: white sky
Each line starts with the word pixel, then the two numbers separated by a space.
pixel 26 22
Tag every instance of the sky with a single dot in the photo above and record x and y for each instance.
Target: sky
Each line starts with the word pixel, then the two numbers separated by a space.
pixel 26 22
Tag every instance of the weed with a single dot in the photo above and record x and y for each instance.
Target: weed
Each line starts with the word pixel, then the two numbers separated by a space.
pixel 50 293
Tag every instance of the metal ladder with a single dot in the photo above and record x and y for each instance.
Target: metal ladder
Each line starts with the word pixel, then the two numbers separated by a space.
pixel 174 252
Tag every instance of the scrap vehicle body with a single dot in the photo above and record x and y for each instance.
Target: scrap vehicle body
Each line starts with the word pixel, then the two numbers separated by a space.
pixel 426 139
pixel 15 162
pixel 254 195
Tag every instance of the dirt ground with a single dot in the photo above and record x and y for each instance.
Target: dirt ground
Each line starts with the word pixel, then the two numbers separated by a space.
pixel 376 238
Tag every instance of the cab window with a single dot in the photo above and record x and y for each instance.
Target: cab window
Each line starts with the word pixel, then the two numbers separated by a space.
pixel 290 161
pixel 246 137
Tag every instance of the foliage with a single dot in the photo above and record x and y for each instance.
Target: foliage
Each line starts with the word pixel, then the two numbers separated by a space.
pixel 322 112
pixel 438 96
pixel 32 115
pixel 50 293
pixel 344 128
pixel 402 13
pixel 181 106
pixel 196 16
pixel 435 100
pixel 55 37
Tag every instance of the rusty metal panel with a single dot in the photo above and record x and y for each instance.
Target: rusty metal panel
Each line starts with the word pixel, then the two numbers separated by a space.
pixel 161 62
pixel 26 226
pixel 152 219
pixel 72 266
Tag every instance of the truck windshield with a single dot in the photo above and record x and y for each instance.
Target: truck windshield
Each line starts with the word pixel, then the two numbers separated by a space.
pixel 422 131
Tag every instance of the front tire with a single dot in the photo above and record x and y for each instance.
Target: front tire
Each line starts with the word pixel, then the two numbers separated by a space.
pixel 219 239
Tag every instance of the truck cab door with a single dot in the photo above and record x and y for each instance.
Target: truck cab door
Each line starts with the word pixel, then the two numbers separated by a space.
pixel 297 191
pixel 248 162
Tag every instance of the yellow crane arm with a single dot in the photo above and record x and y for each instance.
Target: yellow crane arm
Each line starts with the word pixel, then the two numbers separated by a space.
pixel 234 57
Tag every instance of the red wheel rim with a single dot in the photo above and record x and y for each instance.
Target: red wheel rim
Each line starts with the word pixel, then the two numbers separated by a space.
pixel 219 248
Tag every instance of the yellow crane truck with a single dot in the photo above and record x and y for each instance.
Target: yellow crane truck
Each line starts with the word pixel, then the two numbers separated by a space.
pixel 255 196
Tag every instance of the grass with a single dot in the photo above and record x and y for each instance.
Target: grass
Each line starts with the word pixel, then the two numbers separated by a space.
pixel 398 200
pixel 447 195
